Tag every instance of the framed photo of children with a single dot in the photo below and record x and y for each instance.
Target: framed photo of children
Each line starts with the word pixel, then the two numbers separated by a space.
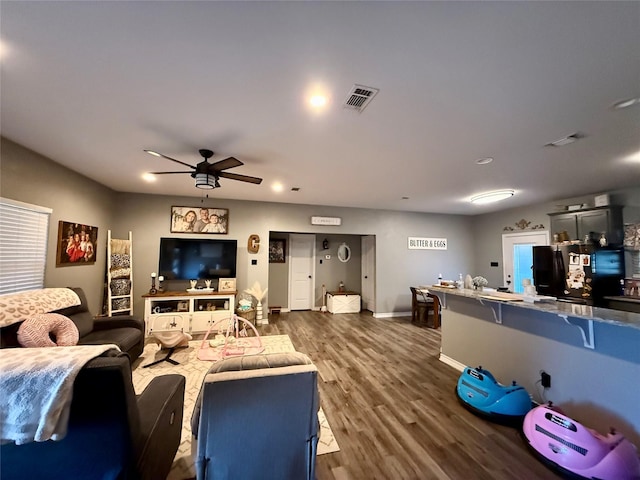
pixel 199 220
pixel 76 244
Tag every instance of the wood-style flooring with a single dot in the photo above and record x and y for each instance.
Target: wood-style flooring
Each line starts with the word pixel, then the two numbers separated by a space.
pixel 392 407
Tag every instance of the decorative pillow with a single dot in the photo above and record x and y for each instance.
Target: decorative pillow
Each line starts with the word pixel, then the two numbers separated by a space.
pixel 37 331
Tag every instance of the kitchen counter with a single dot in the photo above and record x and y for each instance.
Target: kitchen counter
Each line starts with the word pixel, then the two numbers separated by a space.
pixel 562 309
pixel 592 354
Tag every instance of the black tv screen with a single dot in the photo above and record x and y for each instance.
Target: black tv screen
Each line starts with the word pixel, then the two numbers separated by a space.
pixel 194 258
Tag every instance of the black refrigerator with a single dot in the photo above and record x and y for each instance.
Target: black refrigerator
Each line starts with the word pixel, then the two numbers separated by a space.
pixel 578 273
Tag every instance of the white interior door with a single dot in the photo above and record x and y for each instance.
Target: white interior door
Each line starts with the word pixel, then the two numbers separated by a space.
pixel 368 272
pixel 302 250
pixel 517 257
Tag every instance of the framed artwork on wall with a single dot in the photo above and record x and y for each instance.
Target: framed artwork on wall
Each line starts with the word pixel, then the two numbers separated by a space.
pixel 277 250
pixel 76 244
pixel 199 220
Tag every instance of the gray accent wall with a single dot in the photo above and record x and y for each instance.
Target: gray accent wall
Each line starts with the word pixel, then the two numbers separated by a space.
pixel 473 242
pixel 147 216
pixel 31 178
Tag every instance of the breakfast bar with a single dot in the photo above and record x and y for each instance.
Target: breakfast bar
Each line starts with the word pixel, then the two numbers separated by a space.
pixel 592 354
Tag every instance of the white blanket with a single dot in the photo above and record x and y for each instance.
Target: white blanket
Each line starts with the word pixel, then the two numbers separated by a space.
pixel 37 386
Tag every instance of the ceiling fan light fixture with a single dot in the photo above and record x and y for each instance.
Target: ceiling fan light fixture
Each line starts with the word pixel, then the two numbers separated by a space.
pixel 490 197
pixel 206 181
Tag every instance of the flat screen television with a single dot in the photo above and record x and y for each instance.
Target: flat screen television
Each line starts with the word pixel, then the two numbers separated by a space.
pixel 196 258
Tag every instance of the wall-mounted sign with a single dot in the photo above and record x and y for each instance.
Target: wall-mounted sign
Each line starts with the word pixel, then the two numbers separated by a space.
pixel 427 243
pixel 253 244
pixel 326 221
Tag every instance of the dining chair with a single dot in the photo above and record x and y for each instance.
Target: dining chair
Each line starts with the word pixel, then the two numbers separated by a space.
pixel 422 303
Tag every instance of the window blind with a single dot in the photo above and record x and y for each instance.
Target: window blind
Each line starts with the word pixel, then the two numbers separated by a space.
pixel 24 231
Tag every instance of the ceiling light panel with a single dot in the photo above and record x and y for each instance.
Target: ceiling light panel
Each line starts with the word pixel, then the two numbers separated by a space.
pixel 491 197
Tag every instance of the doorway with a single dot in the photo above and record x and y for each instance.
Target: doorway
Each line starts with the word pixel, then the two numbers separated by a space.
pixel 517 257
pixel 368 272
pixel 302 254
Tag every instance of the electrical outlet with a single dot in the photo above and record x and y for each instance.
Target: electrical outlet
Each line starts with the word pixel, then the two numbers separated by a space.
pixel 545 379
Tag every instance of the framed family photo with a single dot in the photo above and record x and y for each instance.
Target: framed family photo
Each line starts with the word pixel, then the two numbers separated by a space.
pixel 199 220
pixel 76 244
pixel 277 250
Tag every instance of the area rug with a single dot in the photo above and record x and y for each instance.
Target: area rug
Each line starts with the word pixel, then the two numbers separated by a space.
pixel 194 371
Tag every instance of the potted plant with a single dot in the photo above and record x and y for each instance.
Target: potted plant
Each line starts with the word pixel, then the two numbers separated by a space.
pixel 479 282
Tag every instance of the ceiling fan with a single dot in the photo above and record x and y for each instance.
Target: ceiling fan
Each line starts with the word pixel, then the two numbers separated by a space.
pixel 207 174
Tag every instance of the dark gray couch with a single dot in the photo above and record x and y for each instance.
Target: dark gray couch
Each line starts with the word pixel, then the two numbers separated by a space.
pixel 112 434
pixel 123 330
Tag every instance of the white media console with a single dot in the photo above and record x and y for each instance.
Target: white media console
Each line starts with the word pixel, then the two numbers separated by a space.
pixel 195 312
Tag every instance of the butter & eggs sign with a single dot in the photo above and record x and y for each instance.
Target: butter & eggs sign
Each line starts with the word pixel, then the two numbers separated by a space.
pixel 427 243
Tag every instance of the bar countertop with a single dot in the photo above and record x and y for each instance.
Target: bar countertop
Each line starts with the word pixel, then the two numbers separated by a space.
pixel 562 309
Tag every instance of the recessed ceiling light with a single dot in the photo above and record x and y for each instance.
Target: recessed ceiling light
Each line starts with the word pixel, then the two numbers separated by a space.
pixel 626 103
pixel 318 101
pixel 277 187
pixel 149 177
pixel 484 161
pixel 490 197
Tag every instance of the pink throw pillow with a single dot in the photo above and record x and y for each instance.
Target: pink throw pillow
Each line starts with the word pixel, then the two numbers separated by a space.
pixel 36 331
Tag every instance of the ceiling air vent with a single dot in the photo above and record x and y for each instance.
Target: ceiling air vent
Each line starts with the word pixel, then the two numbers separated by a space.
pixel 359 97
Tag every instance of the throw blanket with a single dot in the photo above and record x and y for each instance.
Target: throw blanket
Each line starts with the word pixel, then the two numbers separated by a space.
pixel 37 386
pixel 15 307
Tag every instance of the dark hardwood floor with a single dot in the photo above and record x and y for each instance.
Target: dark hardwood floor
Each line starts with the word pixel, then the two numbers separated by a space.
pixel 392 407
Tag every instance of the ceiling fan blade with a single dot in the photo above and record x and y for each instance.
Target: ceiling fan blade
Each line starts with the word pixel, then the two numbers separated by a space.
pixel 242 178
pixel 165 173
pixel 226 163
pixel 156 154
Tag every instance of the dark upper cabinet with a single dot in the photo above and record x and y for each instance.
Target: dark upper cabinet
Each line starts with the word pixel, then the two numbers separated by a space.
pixel 591 222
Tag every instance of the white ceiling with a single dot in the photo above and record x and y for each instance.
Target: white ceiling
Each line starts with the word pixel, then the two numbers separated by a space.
pixel 92 84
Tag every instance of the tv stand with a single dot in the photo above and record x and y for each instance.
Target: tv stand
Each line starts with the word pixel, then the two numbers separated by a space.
pixel 200 310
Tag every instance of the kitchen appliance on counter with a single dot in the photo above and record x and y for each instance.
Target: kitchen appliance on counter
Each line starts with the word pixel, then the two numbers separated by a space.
pixel 579 273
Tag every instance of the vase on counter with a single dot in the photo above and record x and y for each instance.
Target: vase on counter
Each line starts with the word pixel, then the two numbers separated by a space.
pixel 468 282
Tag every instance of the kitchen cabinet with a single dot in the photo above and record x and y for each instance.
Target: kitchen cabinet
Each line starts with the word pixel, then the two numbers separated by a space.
pixel 580 223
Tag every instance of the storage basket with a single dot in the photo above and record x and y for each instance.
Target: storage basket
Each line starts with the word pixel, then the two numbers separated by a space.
pixel 249 315
pixel 120 286
pixel 120 304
